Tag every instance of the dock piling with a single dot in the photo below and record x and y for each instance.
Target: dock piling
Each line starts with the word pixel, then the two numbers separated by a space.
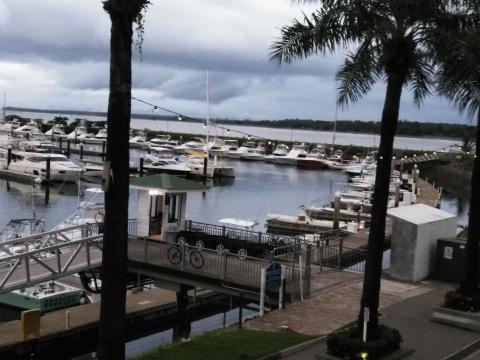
pixel 81 151
pixel 9 156
pixel 103 149
pixel 67 320
pixel 336 211
pixel 68 148
pixel 240 311
pixel 140 170
pixel 262 291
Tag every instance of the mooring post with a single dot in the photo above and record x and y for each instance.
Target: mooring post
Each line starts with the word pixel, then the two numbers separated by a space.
pixel 81 151
pixel 67 320
pixel 103 149
pixel 240 310
pixel 68 148
pixel 336 211
pixel 262 291
pixel 60 143
pixel 205 164
pixel 9 156
pixel 47 177
pixel 397 193
pixel 282 288
pixel 300 266
pixel 308 269
pixel 141 167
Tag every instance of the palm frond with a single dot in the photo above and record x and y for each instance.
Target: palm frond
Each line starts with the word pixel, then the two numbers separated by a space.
pixel 336 24
pixel 358 73
pixel 421 76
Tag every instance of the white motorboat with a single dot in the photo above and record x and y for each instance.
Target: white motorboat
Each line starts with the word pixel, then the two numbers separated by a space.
pixel 163 141
pixel 55 131
pixel 139 140
pixel 34 163
pixel 214 168
pixel 28 129
pixel 300 224
pixel 99 137
pixel 9 126
pixel 197 145
pixel 280 151
pixel 153 163
pixel 298 151
pixel 319 152
pixel 215 146
pixel 80 133
pixel 256 154
pixel 228 146
pixel 46 297
pixel 196 164
pixel 101 134
pixel 246 146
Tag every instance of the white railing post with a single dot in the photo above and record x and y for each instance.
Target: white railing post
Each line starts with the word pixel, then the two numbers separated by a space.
pixel 300 265
pixel 262 291
pixel 67 320
pixel 282 288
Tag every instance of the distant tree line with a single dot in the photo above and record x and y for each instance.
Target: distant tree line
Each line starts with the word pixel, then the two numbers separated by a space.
pixel 405 128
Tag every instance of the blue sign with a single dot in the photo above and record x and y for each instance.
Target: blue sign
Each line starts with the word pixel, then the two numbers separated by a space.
pixel 273 276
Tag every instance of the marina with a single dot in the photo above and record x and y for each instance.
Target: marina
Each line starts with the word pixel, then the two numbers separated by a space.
pixel 221 239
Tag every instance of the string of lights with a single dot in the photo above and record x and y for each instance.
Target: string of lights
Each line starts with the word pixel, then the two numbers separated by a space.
pixel 181 117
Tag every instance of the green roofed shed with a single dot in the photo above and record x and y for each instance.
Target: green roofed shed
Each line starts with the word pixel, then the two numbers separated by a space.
pixel 167 183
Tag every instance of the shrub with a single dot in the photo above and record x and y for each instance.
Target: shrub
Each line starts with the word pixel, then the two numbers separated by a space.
pixel 346 344
pixel 457 301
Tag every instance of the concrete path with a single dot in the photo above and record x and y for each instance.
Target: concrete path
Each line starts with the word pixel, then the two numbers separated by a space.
pixel 334 304
pixel 406 307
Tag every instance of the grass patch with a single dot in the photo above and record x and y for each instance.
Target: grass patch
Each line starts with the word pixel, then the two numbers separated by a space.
pixel 228 344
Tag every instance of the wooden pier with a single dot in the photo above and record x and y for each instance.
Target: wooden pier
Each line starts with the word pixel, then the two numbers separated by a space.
pixel 147 312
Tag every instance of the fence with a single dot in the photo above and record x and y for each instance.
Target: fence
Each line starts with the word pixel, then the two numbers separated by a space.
pixel 240 234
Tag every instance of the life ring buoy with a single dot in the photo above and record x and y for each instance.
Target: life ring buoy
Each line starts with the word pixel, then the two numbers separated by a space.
pixel 99 217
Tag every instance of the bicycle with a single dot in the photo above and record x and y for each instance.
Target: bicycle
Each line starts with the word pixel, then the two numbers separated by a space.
pixel 195 257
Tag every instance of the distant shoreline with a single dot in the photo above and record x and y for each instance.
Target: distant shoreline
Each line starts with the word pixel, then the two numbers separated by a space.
pixel 343 126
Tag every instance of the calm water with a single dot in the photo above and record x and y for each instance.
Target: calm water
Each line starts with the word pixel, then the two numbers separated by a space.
pixel 258 189
pixel 323 137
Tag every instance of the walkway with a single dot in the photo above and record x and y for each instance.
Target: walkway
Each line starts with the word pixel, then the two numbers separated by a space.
pixel 406 307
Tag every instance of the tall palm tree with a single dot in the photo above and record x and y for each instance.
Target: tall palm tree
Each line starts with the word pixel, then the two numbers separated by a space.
pixel 458 53
pixel 111 328
pixel 389 37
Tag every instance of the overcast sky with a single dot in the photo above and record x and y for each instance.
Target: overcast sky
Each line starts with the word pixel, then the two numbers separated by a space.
pixel 55 54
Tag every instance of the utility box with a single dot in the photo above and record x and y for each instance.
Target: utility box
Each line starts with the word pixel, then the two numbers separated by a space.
pixel 415 231
pixel 449 264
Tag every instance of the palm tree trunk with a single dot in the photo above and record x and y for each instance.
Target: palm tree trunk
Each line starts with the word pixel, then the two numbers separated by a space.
pixel 111 328
pixel 469 283
pixel 373 265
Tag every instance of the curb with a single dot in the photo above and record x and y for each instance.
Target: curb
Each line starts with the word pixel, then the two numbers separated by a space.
pixel 293 349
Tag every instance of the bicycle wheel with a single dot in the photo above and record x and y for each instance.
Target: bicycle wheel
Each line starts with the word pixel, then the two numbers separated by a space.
pixel 174 255
pixel 196 259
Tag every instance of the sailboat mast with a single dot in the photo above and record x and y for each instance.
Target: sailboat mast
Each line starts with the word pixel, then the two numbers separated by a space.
pixel 4 105
pixel 208 108
pixel 335 126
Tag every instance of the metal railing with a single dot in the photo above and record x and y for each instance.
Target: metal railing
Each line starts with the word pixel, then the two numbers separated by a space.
pixel 49 262
pixel 240 234
pixel 226 267
pixel 415 159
